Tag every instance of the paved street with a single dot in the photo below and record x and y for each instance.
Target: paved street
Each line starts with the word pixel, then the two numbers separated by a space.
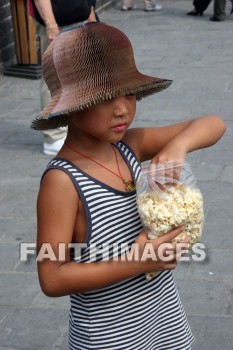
pixel 198 55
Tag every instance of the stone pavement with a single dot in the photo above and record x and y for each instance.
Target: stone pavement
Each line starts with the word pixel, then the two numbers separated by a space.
pixel 197 55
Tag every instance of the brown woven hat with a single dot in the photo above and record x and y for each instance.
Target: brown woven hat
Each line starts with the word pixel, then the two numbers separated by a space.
pixel 86 65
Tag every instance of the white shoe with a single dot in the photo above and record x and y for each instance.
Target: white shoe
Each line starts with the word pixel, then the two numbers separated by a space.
pixel 156 7
pixel 52 149
pixel 125 8
pixel 128 8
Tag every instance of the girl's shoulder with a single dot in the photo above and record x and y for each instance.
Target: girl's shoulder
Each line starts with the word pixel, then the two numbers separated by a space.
pixel 55 181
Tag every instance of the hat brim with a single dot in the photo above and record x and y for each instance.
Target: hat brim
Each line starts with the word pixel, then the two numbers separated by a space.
pixel 56 113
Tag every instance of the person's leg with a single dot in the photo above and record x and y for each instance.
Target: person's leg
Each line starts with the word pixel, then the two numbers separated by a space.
pixel 93 15
pixel 53 139
pixel 53 135
pixel 201 5
pixel 219 10
pixel 127 5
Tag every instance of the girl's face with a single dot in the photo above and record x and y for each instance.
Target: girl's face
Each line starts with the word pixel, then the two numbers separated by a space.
pixel 107 121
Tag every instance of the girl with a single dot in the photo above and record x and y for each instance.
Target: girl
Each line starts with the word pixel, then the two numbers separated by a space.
pixel 88 198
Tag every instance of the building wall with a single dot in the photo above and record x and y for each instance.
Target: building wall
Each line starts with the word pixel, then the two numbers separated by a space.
pixel 7 49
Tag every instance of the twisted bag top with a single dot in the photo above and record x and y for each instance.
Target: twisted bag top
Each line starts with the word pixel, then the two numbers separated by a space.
pixel 86 65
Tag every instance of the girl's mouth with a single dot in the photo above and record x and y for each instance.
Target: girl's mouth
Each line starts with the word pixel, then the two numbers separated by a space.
pixel 120 127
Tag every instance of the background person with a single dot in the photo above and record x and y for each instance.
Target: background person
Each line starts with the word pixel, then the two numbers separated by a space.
pixel 149 5
pixel 199 7
pixel 53 139
pixel 219 11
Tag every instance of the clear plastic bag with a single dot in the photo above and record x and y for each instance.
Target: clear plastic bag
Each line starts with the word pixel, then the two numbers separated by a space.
pixel 167 197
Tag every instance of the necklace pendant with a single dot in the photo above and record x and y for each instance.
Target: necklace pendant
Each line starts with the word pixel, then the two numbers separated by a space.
pixel 129 185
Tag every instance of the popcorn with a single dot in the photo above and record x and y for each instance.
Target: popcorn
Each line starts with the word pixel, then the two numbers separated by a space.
pixel 164 210
pixel 177 205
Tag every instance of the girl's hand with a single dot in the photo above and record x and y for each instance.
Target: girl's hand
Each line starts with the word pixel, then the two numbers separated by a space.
pixel 172 151
pixel 161 253
pixel 166 166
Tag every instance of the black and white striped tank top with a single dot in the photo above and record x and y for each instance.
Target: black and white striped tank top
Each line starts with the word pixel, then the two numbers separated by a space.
pixel 133 314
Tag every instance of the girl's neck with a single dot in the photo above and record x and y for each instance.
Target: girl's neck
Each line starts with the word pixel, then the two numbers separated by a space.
pixel 95 146
pixel 96 149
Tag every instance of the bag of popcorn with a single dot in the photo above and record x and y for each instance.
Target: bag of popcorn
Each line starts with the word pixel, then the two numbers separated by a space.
pixel 167 197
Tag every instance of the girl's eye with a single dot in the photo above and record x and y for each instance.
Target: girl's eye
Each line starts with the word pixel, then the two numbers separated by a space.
pixel 130 97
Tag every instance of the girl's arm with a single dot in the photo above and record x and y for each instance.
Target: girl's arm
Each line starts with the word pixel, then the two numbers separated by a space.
pixel 175 141
pixel 58 205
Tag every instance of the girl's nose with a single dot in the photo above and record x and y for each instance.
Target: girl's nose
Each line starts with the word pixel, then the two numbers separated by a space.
pixel 121 106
